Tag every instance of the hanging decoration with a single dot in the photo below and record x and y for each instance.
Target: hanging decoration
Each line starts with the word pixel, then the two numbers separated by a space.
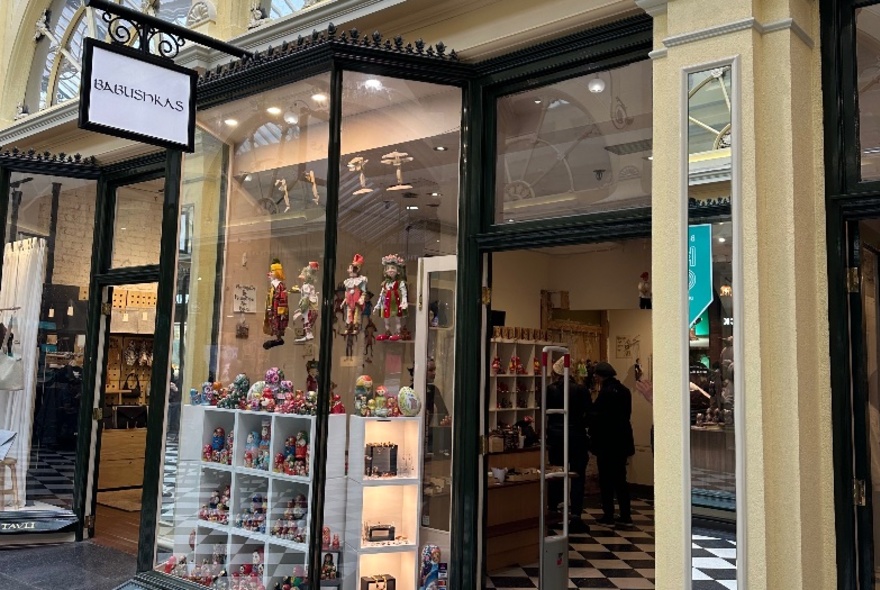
pixel 397 159
pixel 357 164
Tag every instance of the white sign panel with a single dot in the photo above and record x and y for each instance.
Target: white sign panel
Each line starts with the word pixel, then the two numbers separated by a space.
pixel 137 96
pixel 244 299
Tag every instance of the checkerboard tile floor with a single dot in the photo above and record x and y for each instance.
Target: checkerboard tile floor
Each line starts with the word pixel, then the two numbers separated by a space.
pixel 50 477
pixel 624 559
pixel 716 481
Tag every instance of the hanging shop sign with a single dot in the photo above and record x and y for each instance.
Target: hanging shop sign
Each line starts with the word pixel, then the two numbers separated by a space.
pixel 700 294
pixel 134 95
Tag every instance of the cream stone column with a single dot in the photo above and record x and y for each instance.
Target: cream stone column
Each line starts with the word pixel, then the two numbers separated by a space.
pixel 787 496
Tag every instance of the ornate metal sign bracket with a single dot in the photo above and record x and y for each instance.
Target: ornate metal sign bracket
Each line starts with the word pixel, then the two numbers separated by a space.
pixel 127 26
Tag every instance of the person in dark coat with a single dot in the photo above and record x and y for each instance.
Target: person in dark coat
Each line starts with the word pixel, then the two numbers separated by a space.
pixel 579 402
pixel 611 441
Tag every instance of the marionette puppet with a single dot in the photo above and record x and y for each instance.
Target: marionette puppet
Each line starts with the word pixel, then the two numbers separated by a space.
pixel 308 302
pixel 393 302
pixel 355 295
pixel 277 313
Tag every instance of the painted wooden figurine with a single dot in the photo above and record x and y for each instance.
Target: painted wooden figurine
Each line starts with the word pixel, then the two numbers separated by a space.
pixel 277 313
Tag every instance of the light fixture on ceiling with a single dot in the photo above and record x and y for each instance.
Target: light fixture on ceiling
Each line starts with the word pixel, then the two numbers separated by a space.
pixel 397 159
pixel 274 111
pixel 440 148
pixel 436 194
pixel 291 118
pixel 123 228
pixel 231 122
pixel 596 85
pixel 722 240
pixel 537 101
pixel 412 207
pixel 248 177
pixel 373 84
pixel 319 97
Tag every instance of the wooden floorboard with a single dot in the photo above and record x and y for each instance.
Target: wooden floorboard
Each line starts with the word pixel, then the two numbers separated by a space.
pixel 117 529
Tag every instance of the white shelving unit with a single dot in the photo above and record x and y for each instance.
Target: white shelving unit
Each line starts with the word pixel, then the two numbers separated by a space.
pixel 383 500
pixel 512 397
pixel 280 555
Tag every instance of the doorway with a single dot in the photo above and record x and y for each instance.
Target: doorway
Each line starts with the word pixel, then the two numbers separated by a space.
pixel 125 395
pixel 593 299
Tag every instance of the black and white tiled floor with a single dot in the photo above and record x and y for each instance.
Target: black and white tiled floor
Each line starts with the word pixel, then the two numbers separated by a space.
pixel 50 477
pixel 609 557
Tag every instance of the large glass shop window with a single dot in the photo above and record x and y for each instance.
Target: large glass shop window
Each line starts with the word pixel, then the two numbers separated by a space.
pixel 574 147
pixel 237 482
pixel 43 317
pixel 392 351
pixel 238 477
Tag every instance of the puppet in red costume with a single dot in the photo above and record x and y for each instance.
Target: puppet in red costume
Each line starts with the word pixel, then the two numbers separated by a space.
pixel 277 313
pixel 393 301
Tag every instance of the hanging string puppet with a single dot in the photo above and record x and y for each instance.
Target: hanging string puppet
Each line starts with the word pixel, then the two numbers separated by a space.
pixel 393 302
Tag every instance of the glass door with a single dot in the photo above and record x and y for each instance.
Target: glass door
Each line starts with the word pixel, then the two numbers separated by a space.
pixel 434 375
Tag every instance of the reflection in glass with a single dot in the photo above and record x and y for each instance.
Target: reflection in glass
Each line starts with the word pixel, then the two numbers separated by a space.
pixel 250 257
pixel 137 224
pixel 711 362
pixel 578 146
pixel 868 83
pixel 43 318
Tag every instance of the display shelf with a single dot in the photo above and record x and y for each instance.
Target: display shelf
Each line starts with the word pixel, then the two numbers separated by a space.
pixel 504 350
pixel 389 481
pixel 383 501
pixel 281 556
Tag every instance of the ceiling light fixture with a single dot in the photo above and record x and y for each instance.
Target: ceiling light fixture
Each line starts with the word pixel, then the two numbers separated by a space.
pixel 722 240
pixel 291 118
pixel 436 194
pixel 273 111
pixel 537 101
pixel 231 122
pixel 412 208
pixel 319 97
pixel 373 84
pixel 248 178
pixel 440 148
pixel 596 85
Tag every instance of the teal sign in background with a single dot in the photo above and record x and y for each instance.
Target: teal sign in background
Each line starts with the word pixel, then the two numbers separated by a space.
pixel 699 255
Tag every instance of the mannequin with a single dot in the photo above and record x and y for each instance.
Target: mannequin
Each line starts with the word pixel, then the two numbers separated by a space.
pixel 355 294
pixel 277 313
pixel 308 301
pixel 393 301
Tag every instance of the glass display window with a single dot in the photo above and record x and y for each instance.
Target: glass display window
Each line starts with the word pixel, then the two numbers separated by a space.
pixel 392 352
pixel 578 146
pixel 241 471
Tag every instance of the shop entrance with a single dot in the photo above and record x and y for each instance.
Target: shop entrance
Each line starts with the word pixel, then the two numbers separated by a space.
pixel 594 299
pixel 125 389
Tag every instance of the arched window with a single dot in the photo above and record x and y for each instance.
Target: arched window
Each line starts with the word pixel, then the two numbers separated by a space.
pixel 59 35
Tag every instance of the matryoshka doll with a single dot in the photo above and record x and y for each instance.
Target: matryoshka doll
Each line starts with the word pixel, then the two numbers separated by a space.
pixel 218 440
pixel 381 409
pixel 302 446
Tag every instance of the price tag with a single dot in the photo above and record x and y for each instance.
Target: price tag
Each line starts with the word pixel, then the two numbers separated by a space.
pixel 125 317
pixel 145 316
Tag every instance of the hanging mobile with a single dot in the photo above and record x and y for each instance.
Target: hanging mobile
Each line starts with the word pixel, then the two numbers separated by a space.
pixel 357 164
pixel 396 159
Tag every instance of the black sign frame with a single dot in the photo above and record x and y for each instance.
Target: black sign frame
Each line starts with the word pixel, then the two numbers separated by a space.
pixel 86 91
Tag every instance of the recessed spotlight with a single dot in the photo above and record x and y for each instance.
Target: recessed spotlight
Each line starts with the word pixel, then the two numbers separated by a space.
pixel 123 228
pixel 373 84
pixel 509 221
pixel 412 208
pixel 537 101
pixel 291 118
pixel 440 148
pixel 436 194
pixel 248 178
pixel 273 111
pixel 231 122
pixel 722 240
pixel 319 97
pixel 650 158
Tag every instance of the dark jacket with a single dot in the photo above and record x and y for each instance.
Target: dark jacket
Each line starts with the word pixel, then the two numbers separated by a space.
pixel 610 428
pixel 579 402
